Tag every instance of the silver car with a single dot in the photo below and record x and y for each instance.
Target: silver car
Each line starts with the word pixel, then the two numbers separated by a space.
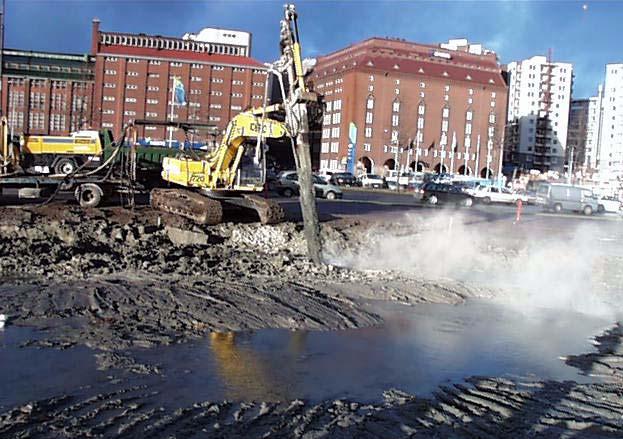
pixel 288 186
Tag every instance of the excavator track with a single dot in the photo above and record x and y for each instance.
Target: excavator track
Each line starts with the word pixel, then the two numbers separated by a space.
pixel 196 207
pixel 269 211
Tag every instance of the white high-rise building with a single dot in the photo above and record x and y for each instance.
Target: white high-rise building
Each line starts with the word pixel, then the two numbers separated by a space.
pixel 538 105
pixel 593 130
pixel 610 157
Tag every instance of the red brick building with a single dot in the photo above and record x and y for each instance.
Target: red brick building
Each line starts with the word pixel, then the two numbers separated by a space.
pixel 46 93
pixel 395 93
pixel 133 80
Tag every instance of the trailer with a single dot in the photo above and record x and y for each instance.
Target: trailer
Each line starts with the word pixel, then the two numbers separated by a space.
pixel 89 185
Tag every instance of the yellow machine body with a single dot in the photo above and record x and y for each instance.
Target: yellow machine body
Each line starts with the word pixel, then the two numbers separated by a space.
pixel 218 169
pixel 75 145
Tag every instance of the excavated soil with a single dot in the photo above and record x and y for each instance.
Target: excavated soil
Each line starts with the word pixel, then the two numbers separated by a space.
pixel 113 279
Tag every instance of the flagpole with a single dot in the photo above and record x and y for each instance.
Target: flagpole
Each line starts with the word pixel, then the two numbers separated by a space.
pixel 172 114
pixel 417 149
pixel 478 158
pixel 452 152
pixel 466 155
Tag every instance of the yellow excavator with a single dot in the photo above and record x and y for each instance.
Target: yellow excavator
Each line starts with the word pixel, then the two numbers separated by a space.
pixel 235 172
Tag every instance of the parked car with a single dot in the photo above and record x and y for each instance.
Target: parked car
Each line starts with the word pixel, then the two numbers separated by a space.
pixel 343 179
pixel 561 197
pixel 609 205
pixel 493 194
pixel 371 180
pixel 325 174
pixel 288 186
pixel 443 193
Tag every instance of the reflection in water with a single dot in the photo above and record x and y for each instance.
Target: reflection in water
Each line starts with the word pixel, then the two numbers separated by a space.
pixel 245 374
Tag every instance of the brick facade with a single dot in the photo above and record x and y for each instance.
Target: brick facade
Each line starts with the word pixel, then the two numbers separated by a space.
pixel 46 93
pixel 399 94
pixel 133 80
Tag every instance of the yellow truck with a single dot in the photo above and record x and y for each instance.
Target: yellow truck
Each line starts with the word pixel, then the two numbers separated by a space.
pixel 62 155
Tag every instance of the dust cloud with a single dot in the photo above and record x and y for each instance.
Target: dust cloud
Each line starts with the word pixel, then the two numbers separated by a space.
pixel 532 266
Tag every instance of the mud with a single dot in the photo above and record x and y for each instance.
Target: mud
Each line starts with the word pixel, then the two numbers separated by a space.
pixel 112 279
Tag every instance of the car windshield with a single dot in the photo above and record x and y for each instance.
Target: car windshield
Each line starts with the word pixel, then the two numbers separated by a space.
pixel 374 177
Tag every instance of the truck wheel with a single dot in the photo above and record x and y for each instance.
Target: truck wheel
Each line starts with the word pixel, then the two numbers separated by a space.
pixel 468 202
pixel 557 207
pixel 588 210
pixel 65 166
pixel 287 192
pixel 601 208
pixel 89 195
pixel 486 200
pixel 330 195
pixel 432 200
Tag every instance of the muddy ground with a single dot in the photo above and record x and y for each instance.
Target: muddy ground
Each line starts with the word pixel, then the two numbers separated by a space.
pixel 112 279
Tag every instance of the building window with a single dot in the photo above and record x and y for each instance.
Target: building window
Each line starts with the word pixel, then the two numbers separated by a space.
pixel 130 100
pixel 335 147
pixel 446 88
pixel 420 123
pixel 110 72
pixel 370 103
pixel 236 95
pixel 154 62
pixel 236 82
pixel 422 85
pixel 445 113
pixel 471 91
pixel 131 87
pixel 326 119
pixel 236 108
pixel 110 85
pixel 468 115
pixel 109 98
pixel 151 114
pixel 153 88
pixel 369 117
pixel 152 101
pixel 444 126
pixel 394 135
pixel 129 113
pixel 132 73
pixel 337 105
pixel 492 118
pixel 111 58
pixel 368 132
pixel 367 147
pixel 216 93
pixel 395 120
pixel 335 132
pixel 337 118
pixel 176 64
pixel 468 128
pixel 217 80
pixel 198 79
pixel 154 75
pixel 396 107
pixel 421 109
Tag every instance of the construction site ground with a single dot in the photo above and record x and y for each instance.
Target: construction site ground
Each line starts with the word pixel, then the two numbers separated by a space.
pixel 115 280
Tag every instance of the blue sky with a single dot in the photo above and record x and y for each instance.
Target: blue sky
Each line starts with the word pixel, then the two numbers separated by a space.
pixel 585 33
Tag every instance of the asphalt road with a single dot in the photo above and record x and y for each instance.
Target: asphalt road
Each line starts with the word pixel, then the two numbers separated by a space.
pixel 385 204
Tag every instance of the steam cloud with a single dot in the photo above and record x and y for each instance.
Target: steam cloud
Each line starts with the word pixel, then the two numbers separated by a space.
pixel 533 266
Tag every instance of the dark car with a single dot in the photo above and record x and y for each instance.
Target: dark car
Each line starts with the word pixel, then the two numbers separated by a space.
pixel 442 193
pixel 343 179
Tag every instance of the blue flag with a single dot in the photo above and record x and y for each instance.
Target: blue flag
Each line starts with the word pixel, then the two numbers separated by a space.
pixel 179 93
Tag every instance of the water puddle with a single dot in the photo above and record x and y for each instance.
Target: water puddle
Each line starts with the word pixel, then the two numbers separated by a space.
pixel 418 349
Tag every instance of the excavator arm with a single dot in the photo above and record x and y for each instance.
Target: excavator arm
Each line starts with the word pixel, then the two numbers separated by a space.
pixel 218 170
